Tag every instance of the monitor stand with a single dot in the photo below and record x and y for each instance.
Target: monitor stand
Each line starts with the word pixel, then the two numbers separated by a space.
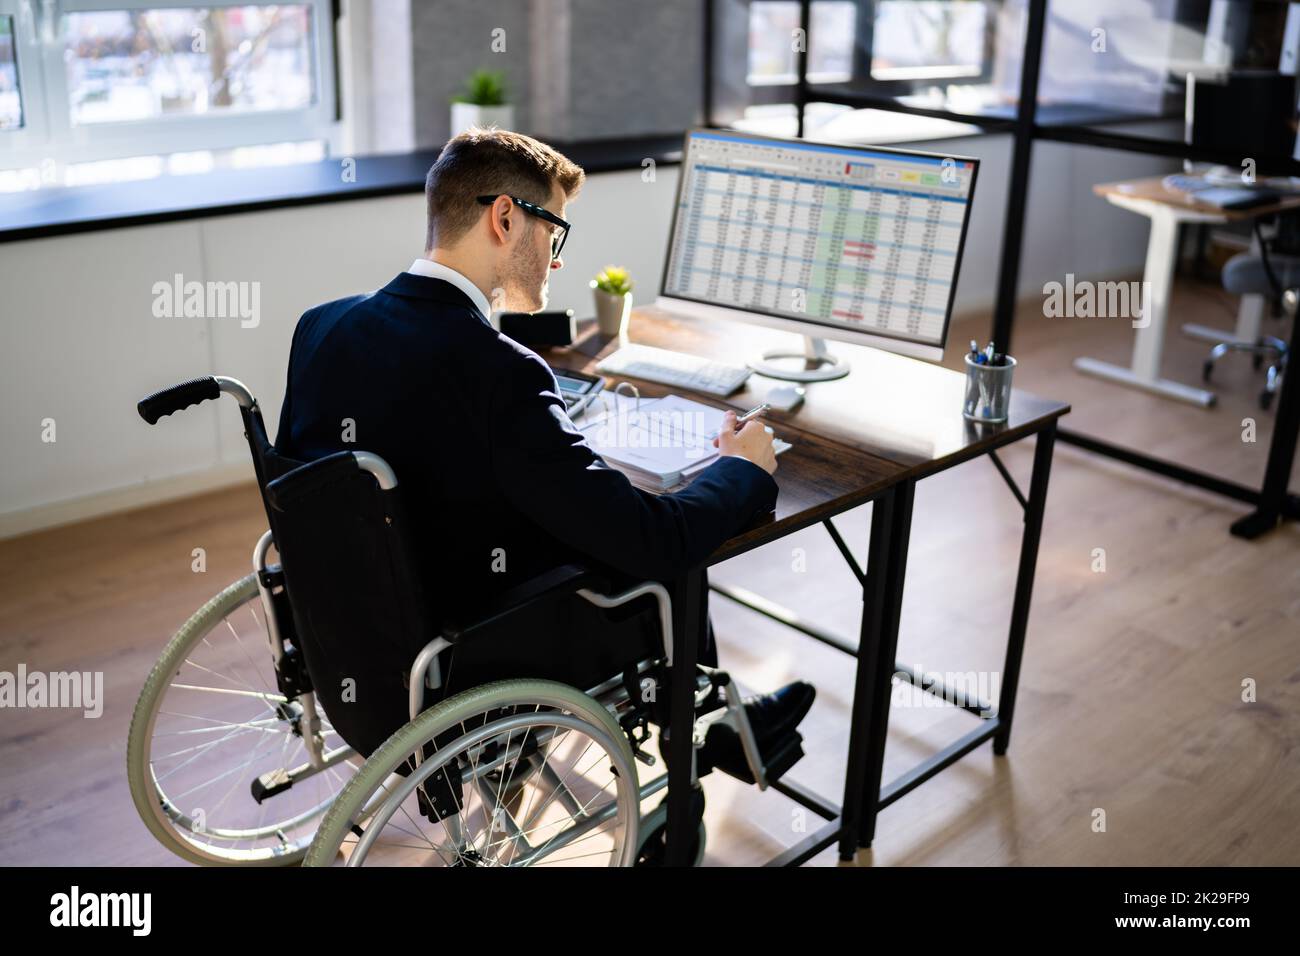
pixel 826 366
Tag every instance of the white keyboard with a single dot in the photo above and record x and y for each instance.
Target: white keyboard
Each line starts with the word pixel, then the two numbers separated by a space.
pixel 674 368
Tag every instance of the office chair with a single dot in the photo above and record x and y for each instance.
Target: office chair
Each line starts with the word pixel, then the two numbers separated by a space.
pixel 1276 276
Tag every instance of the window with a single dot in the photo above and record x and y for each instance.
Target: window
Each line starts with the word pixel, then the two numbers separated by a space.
pixel 773 59
pixel 107 82
pixel 1149 47
pixel 869 40
pixel 11 103
pixel 880 47
pixel 139 65
pixel 928 39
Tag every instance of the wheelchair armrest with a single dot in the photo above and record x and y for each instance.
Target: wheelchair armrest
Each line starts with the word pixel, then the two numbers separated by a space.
pixel 309 478
pixel 565 579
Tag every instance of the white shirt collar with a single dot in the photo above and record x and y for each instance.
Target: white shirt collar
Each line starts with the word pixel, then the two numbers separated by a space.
pixel 436 270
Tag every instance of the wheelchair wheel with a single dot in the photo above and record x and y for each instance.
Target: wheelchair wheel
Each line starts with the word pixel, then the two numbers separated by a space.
pixel 652 850
pixel 527 773
pixel 209 722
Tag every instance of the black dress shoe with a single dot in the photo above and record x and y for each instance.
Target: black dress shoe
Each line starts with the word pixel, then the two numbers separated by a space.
pixel 773 718
pixel 777 714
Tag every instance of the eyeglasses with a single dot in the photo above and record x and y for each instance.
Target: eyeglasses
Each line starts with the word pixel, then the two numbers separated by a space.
pixel 557 238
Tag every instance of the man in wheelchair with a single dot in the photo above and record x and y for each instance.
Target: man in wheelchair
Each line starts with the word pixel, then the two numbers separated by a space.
pixel 500 485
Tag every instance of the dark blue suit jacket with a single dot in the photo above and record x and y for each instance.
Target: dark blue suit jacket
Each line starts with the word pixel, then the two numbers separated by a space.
pixel 495 474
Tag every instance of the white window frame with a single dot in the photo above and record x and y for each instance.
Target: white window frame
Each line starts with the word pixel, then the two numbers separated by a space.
pixel 48 132
pixel 27 138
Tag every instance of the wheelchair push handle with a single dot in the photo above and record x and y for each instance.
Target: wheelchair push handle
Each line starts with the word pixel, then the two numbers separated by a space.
pixel 194 392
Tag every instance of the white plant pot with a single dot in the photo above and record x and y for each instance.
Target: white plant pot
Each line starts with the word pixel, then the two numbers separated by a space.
pixel 465 115
pixel 612 312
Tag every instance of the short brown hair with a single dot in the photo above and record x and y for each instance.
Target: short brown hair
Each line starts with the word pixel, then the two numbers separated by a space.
pixel 490 162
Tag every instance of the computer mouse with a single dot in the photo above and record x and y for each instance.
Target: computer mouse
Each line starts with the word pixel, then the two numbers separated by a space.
pixel 785 398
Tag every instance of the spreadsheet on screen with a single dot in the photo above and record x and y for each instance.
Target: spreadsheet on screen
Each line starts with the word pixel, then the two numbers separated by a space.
pixel 833 236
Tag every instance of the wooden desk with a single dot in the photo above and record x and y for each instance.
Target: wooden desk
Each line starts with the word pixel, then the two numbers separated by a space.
pixel 1152 189
pixel 868 437
pixel 1168 209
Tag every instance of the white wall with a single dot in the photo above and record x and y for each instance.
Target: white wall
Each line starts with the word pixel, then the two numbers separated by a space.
pixel 81 344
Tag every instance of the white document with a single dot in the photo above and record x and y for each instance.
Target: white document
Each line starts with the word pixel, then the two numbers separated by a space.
pixel 659 443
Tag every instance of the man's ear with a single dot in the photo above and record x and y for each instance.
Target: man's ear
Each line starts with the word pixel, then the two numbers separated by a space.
pixel 499 218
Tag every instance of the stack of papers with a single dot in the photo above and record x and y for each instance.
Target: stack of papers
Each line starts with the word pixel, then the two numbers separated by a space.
pixel 659 443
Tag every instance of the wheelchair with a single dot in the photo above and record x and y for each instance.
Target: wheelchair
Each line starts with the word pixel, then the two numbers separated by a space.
pixel 245 748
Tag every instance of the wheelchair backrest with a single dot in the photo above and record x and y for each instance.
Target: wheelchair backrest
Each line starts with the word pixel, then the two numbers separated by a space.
pixel 360 611
pixel 268 464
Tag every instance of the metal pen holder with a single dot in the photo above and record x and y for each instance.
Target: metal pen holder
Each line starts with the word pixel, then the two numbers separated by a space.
pixel 988 390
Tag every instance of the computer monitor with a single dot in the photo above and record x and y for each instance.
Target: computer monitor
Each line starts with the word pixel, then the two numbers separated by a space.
pixel 1246 112
pixel 854 244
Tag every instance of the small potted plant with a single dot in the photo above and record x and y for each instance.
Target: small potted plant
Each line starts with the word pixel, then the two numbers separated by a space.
pixel 612 289
pixel 483 103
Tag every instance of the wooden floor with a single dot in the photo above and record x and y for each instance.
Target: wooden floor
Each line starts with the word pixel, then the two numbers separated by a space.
pixel 1130 698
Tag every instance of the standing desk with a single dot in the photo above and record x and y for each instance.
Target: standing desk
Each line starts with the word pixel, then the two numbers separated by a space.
pixel 1168 209
pixel 869 437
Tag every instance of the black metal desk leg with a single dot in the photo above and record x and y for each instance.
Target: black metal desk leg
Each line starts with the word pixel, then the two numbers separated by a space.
pixel 895 573
pixel 866 682
pixel 1273 499
pixel 690 618
pixel 1024 584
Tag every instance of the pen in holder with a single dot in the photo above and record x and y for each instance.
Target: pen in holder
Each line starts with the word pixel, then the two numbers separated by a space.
pixel 988 390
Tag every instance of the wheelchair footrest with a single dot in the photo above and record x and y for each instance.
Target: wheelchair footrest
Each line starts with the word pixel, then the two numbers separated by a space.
pixel 778 757
pixel 785 757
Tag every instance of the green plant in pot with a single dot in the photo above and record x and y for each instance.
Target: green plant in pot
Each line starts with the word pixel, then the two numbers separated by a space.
pixel 612 289
pixel 484 102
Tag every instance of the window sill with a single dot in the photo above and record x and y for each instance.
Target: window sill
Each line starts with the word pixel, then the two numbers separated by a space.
pixel 65 210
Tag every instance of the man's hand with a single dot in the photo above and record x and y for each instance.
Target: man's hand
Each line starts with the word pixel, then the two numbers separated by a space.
pixel 753 442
